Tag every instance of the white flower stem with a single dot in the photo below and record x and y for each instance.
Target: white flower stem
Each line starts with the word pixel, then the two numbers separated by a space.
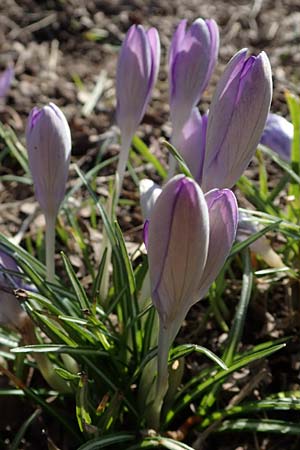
pixel 123 158
pixel 50 246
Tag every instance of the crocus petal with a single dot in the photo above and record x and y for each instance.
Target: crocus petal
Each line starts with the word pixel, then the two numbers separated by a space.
pixel 5 81
pixel 149 192
pixel 192 58
pixel 192 143
pixel 136 74
pixel 223 220
pixel 278 135
pixel 236 119
pixel 49 148
pixel 177 247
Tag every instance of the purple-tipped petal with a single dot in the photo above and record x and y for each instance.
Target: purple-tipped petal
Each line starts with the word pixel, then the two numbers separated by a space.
pixel 192 143
pixel 136 75
pixel 278 135
pixel 223 221
pixel 177 248
pixel 236 119
pixel 5 81
pixel 192 58
pixel 49 148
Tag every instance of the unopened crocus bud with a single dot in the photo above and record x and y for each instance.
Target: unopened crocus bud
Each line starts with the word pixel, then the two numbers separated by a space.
pixel 177 249
pixel 137 72
pixel 191 143
pixel 236 119
pixel 190 236
pixel 49 148
pixel 5 81
pixel 278 135
pixel 192 58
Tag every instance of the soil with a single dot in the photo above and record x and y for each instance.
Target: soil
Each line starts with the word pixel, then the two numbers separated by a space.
pixel 59 50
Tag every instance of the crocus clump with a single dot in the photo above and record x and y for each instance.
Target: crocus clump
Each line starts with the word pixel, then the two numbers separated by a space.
pixel 192 58
pixel 189 237
pixel 137 71
pixel 49 149
pixel 278 135
pixel 236 119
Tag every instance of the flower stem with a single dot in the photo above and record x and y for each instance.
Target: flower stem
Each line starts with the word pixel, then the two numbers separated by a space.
pixel 50 246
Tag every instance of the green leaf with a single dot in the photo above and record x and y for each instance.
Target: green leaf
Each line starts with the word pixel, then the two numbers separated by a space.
pixel 239 246
pixel 181 163
pixel 76 284
pixel 66 375
pixel 107 441
pixel 294 190
pixel 15 444
pixel 184 398
pixel 144 151
pixel 261 426
pixel 241 311
pixel 187 349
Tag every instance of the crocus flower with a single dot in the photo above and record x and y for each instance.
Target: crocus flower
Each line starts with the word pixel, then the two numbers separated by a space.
pixel 137 72
pixel 191 144
pixel 278 135
pixel 5 81
pixel 192 58
pixel 236 119
pixel 49 148
pixel 190 236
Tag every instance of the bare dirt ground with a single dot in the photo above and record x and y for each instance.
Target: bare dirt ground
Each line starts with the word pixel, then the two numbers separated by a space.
pixel 59 49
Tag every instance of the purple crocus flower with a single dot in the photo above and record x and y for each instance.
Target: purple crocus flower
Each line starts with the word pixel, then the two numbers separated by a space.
pixel 190 236
pixel 192 58
pixel 278 135
pixel 137 72
pixel 49 148
pixel 236 119
pixel 5 81
pixel 191 144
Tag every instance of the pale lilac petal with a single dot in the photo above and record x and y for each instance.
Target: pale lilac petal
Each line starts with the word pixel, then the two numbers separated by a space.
pixel 192 143
pixel 223 221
